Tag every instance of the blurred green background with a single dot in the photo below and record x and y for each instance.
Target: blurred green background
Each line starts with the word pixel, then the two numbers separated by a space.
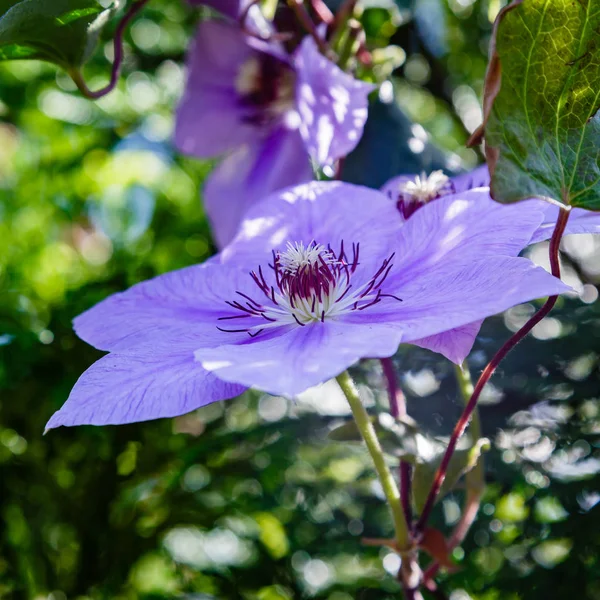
pixel 249 499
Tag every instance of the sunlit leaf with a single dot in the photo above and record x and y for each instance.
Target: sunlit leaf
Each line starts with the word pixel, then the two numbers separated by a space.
pixel 550 510
pixel 273 535
pixel 542 100
pixel 64 32
pixel 512 508
pixel 550 553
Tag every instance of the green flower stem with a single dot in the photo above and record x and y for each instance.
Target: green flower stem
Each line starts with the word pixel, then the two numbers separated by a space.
pixel 349 43
pixel 390 489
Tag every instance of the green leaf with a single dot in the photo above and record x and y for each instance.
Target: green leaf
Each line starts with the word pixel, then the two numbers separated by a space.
pixel 542 99
pixel 399 438
pixel 64 32
pixel 461 462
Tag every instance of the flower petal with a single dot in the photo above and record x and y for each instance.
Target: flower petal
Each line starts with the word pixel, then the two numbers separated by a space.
pixel 249 175
pixel 477 178
pixel 469 225
pixel 326 212
pixel 333 106
pixel 297 358
pixel 210 118
pixel 580 221
pixel 452 294
pixel 455 344
pixel 171 308
pixel 141 386
pixel 458 219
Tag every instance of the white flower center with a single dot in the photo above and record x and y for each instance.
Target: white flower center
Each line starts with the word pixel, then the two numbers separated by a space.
pixel 297 256
pixel 423 188
pixel 248 77
pixel 312 283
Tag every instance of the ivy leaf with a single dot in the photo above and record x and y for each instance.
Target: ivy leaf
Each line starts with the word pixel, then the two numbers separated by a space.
pixel 64 32
pixel 461 462
pixel 541 102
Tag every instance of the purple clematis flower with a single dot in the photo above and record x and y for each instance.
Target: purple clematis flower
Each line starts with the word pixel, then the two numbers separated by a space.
pixel 267 113
pixel 412 192
pixel 320 276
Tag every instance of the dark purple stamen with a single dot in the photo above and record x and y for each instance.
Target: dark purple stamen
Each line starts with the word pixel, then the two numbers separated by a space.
pixel 268 89
pixel 308 285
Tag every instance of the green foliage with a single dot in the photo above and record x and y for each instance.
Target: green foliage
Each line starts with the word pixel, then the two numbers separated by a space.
pixel 249 499
pixel 462 461
pixel 543 132
pixel 64 32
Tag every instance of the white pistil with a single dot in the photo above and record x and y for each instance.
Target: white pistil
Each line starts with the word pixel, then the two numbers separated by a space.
pixel 296 256
pixel 423 188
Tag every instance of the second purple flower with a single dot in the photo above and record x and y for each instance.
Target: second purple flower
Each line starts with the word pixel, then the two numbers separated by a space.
pixel 267 112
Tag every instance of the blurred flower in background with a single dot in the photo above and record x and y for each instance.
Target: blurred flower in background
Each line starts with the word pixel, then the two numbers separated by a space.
pixel 267 112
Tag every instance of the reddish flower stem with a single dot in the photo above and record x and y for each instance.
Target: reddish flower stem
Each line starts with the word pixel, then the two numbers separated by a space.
pixel 304 18
pixel 474 479
pixel 460 427
pixel 76 75
pixel 398 409
pixel 397 399
pixel 410 575
pixel 322 11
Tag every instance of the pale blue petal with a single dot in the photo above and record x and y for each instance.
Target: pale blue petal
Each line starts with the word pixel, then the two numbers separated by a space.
pixel 297 358
pixel 333 106
pixel 141 386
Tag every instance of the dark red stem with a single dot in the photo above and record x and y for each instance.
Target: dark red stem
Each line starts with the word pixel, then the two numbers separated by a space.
pixel 397 399
pixel 118 58
pixel 322 11
pixel 460 427
pixel 398 410
pixel 303 17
